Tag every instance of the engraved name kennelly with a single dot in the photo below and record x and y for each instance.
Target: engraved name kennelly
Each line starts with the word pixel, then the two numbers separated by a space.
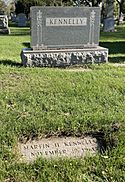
pixel 80 21
pixel 56 147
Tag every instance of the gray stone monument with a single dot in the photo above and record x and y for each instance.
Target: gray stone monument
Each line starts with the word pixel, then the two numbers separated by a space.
pixel 109 25
pixel 21 20
pixel 109 21
pixel 62 36
pixel 4 29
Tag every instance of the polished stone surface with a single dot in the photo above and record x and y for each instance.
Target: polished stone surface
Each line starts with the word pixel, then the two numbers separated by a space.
pixel 64 27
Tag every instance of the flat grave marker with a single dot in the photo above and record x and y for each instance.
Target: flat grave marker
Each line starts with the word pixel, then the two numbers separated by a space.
pixel 58 147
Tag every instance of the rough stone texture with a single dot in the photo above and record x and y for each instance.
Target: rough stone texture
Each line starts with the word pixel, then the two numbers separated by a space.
pixel 4 29
pixel 64 27
pixel 62 58
pixel 58 147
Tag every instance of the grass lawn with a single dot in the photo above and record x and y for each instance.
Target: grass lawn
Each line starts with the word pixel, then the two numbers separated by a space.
pixel 35 102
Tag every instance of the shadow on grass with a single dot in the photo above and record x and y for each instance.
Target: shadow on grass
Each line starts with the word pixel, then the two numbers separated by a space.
pixel 16 34
pixel 10 63
pixel 19 31
pixel 19 34
pixel 116 59
pixel 26 44
pixel 114 47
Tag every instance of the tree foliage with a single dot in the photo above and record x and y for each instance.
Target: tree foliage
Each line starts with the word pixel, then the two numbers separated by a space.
pixel 24 5
pixel 2 6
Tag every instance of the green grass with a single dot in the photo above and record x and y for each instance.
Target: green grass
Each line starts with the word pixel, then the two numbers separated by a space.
pixel 42 101
pixel 115 42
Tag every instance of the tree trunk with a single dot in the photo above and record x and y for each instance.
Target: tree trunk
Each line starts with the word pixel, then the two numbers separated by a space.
pixel 120 16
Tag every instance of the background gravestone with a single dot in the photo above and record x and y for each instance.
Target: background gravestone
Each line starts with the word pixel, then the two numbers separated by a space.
pixel 21 20
pixel 62 36
pixel 109 25
pixel 109 21
pixel 4 29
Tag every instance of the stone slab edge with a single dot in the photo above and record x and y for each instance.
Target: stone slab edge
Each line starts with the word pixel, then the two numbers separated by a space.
pixel 63 57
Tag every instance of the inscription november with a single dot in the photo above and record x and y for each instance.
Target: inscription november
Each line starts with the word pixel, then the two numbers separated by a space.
pixel 56 147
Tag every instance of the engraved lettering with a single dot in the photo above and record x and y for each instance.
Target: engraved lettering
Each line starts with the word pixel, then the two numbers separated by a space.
pixel 55 21
pixel 74 143
pixel 57 152
pixel 39 153
pixel 33 146
pixel 32 154
pixel 63 151
pixel 67 144
pixel 40 146
pixel 65 21
pixel 86 141
pixel 94 140
pixel 59 147
pixel 75 150
pixel 45 145
pixel 90 141
pixel 82 149
pixel 81 21
pixel 46 153
pixel 70 21
pixel 51 152
pixel 80 143
pixel 51 21
pixel 56 144
pixel 60 21
pixel 26 147
pixel 94 149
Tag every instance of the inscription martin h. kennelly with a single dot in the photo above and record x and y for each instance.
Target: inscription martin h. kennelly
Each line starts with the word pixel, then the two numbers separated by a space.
pixel 58 147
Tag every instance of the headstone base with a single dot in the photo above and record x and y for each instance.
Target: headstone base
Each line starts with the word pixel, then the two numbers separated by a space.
pixel 63 57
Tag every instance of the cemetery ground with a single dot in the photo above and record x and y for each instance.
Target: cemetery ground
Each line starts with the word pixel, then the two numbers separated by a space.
pixel 39 102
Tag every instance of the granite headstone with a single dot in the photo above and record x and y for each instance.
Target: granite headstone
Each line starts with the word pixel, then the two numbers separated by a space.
pixel 109 25
pixel 64 27
pixel 4 29
pixel 62 36
pixel 109 22
pixel 21 20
